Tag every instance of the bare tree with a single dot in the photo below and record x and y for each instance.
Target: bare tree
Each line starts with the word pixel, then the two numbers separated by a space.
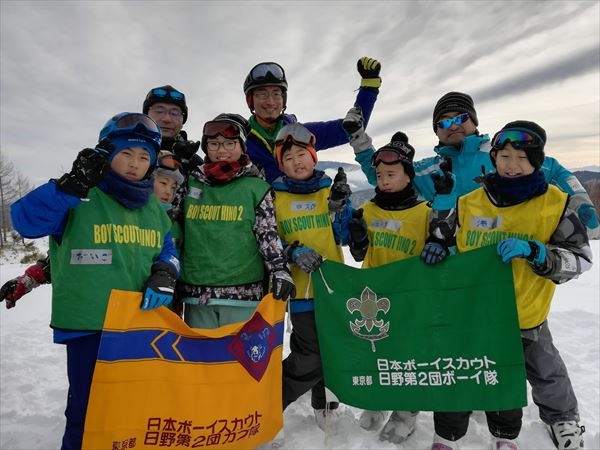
pixel 13 185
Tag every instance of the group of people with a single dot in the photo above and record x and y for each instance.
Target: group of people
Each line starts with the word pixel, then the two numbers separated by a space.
pixel 227 232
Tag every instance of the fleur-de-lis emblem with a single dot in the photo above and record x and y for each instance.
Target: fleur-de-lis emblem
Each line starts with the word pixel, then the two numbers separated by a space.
pixel 369 306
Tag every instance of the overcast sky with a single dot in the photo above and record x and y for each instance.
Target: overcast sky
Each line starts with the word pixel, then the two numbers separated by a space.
pixel 66 67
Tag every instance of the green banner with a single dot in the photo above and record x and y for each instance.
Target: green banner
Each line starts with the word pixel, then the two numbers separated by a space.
pixel 408 336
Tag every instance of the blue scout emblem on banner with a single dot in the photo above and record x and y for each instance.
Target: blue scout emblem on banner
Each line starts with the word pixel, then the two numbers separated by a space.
pixel 253 346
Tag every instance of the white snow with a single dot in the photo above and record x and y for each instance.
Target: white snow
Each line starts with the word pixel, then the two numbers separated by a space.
pixel 33 384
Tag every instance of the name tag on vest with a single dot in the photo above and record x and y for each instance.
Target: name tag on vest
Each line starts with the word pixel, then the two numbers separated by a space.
pixel 486 223
pixel 91 256
pixel 391 225
pixel 304 206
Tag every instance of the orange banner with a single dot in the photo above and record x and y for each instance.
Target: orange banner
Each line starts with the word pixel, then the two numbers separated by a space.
pixel 161 384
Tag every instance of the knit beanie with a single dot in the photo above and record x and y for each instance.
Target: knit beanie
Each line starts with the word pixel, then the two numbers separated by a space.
pixel 454 102
pixel 127 141
pixel 535 153
pixel 399 143
pixel 239 122
pixel 166 94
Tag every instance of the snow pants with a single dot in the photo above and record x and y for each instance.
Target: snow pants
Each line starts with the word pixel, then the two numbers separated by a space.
pixel 81 360
pixel 215 316
pixel 302 369
pixel 551 390
pixel 551 387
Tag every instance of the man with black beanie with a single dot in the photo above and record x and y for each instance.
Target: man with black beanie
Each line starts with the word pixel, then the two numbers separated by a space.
pixel 464 151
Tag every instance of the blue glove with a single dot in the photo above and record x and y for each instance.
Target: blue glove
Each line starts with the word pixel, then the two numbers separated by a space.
pixel 160 287
pixel 433 253
pixel 306 259
pixel 588 216
pixel 511 248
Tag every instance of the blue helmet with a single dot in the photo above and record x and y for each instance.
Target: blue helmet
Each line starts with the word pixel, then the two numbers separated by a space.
pixel 132 130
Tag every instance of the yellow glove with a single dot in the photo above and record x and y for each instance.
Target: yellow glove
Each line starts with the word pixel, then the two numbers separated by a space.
pixel 369 69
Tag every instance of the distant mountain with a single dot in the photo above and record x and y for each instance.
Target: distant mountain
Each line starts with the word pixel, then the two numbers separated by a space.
pixel 587 175
pixel 586 169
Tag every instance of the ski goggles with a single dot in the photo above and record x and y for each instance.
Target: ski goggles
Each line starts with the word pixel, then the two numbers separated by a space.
pixel 519 139
pixel 296 134
pixel 169 162
pixel 458 120
pixel 270 70
pixel 225 129
pixel 389 156
pixel 162 93
pixel 136 122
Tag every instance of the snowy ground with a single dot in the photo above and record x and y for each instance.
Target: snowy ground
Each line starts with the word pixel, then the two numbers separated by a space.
pixel 33 380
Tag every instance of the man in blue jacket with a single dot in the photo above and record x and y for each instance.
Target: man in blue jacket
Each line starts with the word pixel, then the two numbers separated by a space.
pixel 464 151
pixel 266 87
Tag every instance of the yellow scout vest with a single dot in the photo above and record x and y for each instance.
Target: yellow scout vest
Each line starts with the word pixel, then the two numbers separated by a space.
pixel 305 218
pixel 394 235
pixel 105 246
pixel 481 224
pixel 220 247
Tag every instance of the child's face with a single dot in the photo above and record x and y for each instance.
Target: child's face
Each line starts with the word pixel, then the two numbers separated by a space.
pixel 391 177
pixel 297 163
pixel 512 163
pixel 222 149
pixel 164 188
pixel 131 163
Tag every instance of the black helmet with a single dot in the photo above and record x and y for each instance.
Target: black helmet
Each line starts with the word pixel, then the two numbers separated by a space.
pixel 265 74
pixel 166 94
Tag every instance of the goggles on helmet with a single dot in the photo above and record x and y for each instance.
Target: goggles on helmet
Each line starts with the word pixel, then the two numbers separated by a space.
pixel 159 92
pixel 519 139
pixel 267 71
pixel 458 120
pixel 225 129
pixel 132 123
pixel 169 162
pixel 296 134
pixel 388 156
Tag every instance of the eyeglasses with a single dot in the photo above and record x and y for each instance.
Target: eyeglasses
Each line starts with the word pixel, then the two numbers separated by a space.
pixel 388 156
pixel 225 129
pixel 170 162
pixel 175 113
pixel 269 70
pixel 297 134
pixel 458 120
pixel 159 92
pixel 227 145
pixel 519 139
pixel 263 95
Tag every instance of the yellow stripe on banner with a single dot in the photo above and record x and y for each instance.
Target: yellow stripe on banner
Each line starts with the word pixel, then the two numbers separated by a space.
pixel 152 393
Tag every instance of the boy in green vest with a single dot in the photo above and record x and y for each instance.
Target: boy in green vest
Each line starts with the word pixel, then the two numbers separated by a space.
pixel 229 232
pixel 549 246
pixel 107 231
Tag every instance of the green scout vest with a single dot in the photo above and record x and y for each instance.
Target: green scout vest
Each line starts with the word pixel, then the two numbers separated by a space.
pixel 105 246
pixel 305 218
pixel 394 235
pixel 481 224
pixel 220 247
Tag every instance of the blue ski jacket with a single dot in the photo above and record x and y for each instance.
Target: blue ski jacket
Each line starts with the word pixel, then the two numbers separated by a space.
pixel 329 134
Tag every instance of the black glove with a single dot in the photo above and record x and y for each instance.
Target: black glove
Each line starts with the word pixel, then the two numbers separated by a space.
pixel 443 182
pixel 89 168
pixel 282 285
pixel 433 253
pixel 359 238
pixel 369 69
pixel 159 288
pixel 354 120
pixel 186 151
pixel 340 191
